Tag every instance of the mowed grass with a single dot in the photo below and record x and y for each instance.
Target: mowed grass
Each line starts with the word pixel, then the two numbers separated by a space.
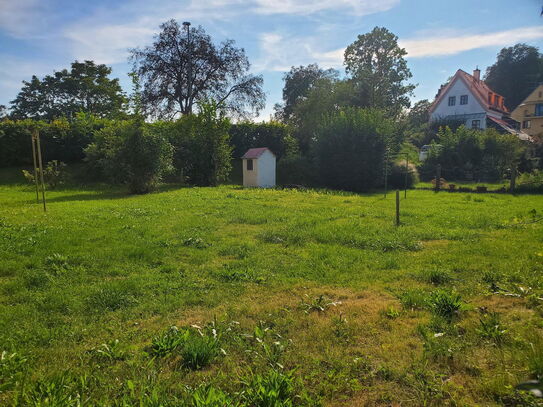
pixel 314 292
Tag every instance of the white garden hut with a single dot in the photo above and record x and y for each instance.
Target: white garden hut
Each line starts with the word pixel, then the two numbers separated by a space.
pixel 259 168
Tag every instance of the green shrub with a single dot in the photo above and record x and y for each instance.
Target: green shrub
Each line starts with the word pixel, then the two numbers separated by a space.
pixel 490 328
pixel 274 135
pixel 436 276
pixel 295 170
pixel 53 174
pixel 413 300
pixel 272 389
pixel 198 351
pixel 445 304
pixel 350 148
pixel 209 396
pixel 12 370
pixel 530 182
pixel 397 178
pixel 167 342
pixel 127 152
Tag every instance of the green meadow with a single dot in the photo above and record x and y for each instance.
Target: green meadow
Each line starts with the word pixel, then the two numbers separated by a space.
pixel 244 297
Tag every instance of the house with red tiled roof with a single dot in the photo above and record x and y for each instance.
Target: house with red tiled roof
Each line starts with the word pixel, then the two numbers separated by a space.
pixel 468 98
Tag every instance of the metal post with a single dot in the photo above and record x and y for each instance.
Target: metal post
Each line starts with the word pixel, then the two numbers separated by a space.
pixel 41 170
pixel 397 207
pixel 386 171
pixel 35 165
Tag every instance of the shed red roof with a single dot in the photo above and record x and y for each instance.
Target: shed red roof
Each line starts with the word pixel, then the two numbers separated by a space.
pixel 256 152
pixel 489 99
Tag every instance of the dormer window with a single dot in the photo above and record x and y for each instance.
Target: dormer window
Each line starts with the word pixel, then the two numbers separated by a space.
pixel 464 99
pixel 452 100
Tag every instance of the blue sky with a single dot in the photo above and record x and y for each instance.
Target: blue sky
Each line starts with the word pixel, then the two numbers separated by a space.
pixel 41 36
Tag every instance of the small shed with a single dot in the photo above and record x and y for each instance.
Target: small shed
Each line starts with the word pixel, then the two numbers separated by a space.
pixel 259 168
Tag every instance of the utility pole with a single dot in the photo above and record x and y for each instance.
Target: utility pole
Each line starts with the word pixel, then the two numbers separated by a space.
pixel 186 24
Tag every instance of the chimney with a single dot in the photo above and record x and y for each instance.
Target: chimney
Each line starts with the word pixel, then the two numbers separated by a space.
pixel 477 74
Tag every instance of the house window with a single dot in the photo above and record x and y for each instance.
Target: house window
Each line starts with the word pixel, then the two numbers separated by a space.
pixel 249 165
pixel 475 124
pixel 539 109
pixel 526 124
pixel 452 100
pixel 464 99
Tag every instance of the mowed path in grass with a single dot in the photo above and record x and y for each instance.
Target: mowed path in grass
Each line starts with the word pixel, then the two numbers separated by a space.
pixel 101 266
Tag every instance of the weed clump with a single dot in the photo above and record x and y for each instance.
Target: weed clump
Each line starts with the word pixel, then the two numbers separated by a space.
pixel 445 304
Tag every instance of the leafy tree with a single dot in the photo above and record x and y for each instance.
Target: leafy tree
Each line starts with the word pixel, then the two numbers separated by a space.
pixel 517 72
pixel 327 95
pixel 86 87
pixel 350 147
pixel 210 150
pixel 298 83
pixel 379 71
pixel 419 114
pixel 3 112
pixel 274 135
pixel 178 73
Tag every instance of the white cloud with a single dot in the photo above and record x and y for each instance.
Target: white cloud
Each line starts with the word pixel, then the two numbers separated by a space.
pixel 20 18
pixel 107 44
pixel 439 43
pixel 279 52
pixel 304 7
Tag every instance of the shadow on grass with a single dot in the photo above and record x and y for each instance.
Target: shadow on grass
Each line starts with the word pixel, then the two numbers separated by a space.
pixel 104 193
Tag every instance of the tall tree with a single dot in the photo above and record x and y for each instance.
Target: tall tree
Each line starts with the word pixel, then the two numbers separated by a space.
pixel 180 70
pixel 86 87
pixel 379 71
pixel 517 72
pixel 298 83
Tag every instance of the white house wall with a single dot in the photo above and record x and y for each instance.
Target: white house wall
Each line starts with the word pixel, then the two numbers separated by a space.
pixel 266 170
pixel 473 107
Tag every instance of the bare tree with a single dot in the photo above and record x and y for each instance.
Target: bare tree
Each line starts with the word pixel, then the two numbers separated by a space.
pixel 179 71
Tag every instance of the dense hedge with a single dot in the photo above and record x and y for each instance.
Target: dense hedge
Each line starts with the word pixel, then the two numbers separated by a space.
pixel 60 140
pixel 350 146
pixel 466 154
pixel 274 135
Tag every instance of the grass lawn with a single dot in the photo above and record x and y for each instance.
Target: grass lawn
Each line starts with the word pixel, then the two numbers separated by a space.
pixel 312 297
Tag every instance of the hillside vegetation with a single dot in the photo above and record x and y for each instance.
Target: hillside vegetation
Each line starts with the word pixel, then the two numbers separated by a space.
pixel 278 297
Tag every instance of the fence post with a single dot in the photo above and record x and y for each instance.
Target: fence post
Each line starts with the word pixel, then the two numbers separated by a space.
pixel 438 177
pixel 397 207
pixel 513 180
pixel 406 173
pixel 34 132
pixel 386 171
pixel 40 163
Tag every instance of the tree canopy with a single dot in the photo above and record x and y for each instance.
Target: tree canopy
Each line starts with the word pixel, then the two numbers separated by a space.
pixel 86 87
pixel 517 72
pixel 179 72
pixel 298 83
pixel 378 70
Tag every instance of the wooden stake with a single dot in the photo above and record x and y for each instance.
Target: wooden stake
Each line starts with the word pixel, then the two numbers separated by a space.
pixel 513 180
pixel 35 165
pixel 41 170
pixel 397 207
pixel 386 171
pixel 406 173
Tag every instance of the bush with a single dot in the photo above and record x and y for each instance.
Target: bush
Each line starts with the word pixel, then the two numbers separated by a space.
pixel 468 154
pixel 350 147
pixel 445 304
pixel 530 182
pixel 53 174
pixel 127 152
pixel 60 140
pixel 295 170
pixel 396 178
